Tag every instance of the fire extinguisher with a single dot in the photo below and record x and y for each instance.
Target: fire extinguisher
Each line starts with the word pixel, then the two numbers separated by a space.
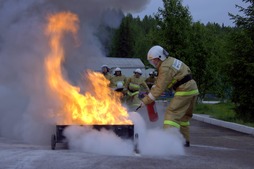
pixel 152 112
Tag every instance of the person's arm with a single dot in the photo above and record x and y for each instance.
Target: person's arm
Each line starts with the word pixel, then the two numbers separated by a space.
pixel 145 86
pixel 127 83
pixel 165 77
pixel 125 80
pixel 111 84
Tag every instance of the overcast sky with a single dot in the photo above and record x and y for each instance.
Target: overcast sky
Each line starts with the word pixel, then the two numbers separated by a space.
pixel 202 10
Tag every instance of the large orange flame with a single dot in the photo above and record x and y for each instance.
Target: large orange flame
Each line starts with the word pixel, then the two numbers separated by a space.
pixel 101 105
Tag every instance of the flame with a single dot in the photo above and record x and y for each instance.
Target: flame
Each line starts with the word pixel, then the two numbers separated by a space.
pixel 101 105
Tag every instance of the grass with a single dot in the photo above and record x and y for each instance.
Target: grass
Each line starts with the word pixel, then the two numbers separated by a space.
pixel 222 111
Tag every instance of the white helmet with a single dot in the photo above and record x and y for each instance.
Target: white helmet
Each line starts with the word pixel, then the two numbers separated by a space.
pixel 138 71
pixel 119 85
pixel 118 69
pixel 151 73
pixel 157 52
pixel 106 66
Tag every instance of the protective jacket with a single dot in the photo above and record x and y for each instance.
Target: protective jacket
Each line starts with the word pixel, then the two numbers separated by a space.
pixel 117 79
pixel 172 71
pixel 109 77
pixel 133 85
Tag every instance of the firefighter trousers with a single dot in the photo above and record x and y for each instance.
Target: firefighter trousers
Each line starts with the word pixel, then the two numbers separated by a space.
pixel 179 112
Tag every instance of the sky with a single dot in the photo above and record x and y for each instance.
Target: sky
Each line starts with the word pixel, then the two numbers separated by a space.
pixel 201 10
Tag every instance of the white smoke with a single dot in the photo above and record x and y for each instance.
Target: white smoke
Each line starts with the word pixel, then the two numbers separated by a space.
pixel 100 142
pixel 25 103
pixel 151 142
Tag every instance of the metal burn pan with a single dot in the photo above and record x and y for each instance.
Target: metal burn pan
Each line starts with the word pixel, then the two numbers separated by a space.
pixel 123 131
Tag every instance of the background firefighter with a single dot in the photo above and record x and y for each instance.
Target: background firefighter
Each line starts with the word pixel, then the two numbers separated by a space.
pixel 118 80
pixel 150 80
pixel 105 71
pixel 133 86
pixel 173 73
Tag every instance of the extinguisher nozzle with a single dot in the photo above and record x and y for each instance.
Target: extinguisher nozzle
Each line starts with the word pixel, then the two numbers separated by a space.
pixel 138 108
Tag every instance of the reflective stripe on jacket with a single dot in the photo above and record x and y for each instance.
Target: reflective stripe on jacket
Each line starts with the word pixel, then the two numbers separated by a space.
pixel 134 84
pixel 174 124
pixel 116 79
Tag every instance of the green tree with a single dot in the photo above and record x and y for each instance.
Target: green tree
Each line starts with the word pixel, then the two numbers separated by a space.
pixel 175 24
pixel 199 54
pixel 123 43
pixel 140 36
pixel 207 52
pixel 217 80
pixel 185 40
pixel 144 37
pixel 201 47
pixel 241 66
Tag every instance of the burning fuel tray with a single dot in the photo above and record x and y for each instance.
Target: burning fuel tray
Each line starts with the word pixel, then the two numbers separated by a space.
pixel 123 131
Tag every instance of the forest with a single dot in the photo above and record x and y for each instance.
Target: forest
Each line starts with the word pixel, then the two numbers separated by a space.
pixel 221 57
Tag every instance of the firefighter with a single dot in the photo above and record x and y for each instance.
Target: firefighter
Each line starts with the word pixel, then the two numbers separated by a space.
pixel 133 86
pixel 173 73
pixel 118 80
pixel 105 71
pixel 150 80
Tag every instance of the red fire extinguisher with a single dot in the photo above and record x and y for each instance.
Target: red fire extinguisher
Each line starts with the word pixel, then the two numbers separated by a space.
pixel 152 112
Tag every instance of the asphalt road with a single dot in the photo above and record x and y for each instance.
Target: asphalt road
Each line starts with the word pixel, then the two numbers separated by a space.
pixel 212 147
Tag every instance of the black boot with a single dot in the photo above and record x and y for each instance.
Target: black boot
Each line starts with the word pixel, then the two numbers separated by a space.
pixel 187 144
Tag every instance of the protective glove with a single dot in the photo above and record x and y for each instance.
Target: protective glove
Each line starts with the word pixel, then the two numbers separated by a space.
pixel 140 106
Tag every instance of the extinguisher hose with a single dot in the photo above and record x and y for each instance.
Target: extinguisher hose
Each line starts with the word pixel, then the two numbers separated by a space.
pixel 138 108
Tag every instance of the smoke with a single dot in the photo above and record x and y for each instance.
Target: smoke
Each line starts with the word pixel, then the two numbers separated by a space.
pixel 25 102
pixel 151 142
pixel 93 141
